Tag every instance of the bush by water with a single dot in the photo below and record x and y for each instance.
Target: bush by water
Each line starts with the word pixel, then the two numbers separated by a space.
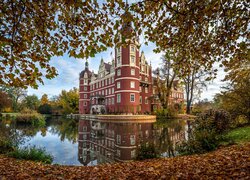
pixel 30 117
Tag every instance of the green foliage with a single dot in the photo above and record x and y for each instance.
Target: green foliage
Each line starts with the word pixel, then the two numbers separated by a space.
pixel 31 102
pixel 45 109
pixel 171 112
pixel 147 151
pixel 238 135
pixel 30 117
pixel 32 153
pixel 206 132
pixel 236 98
pixel 69 101
pixel 5 145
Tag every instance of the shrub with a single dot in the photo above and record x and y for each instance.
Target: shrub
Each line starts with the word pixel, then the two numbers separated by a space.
pixel 45 109
pixel 147 151
pixel 5 145
pixel 206 132
pixel 171 112
pixel 32 153
pixel 30 117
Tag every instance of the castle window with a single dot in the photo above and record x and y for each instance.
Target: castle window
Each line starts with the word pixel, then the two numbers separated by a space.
pixel 85 81
pixel 85 103
pixel 118 139
pixel 85 88
pixel 132 48
pixel 140 99
pixel 132 72
pixel 112 79
pixel 106 92
pixel 132 59
pixel 132 97
pixel 118 72
pixel 113 90
pixel 118 153
pixel 109 101
pixel 96 85
pixel 109 90
pixel 132 84
pixel 118 85
pixel 113 100
pixel 85 96
pixel 133 153
pixel 84 128
pixel 146 90
pixel 146 100
pixel 118 96
pixel 118 61
pixel 132 139
pixel 102 83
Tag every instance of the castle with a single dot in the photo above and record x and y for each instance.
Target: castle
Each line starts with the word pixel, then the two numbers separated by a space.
pixel 125 85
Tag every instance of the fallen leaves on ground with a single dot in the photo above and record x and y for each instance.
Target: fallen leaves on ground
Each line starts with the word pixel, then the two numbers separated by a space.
pixel 229 162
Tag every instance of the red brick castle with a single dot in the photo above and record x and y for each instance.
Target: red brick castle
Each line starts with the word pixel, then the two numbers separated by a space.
pixel 124 85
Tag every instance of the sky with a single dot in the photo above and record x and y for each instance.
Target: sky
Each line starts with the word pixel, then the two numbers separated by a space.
pixel 69 69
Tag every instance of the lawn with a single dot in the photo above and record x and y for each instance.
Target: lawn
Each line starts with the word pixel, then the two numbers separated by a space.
pixel 239 135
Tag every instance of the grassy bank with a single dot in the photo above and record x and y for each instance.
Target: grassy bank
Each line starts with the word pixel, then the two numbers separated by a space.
pixel 238 135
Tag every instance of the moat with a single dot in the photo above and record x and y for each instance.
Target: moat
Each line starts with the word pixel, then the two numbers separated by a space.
pixel 91 142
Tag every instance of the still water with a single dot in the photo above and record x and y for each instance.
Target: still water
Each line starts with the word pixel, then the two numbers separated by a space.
pixel 87 142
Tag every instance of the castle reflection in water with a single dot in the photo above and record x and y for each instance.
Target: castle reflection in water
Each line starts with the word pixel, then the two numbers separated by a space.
pixel 108 140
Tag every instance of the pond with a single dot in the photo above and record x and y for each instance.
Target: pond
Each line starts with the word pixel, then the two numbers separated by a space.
pixel 87 142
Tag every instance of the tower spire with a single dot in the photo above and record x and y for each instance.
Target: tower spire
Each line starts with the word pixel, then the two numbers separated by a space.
pixel 86 64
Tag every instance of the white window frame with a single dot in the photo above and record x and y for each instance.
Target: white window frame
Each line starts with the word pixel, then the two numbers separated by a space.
pixel 132 84
pixel 132 60
pixel 118 72
pixel 132 139
pixel 118 85
pixel 118 139
pixel 132 94
pixel 132 72
pixel 118 98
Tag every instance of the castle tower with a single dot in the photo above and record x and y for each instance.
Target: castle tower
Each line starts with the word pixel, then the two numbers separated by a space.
pixel 84 90
pixel 127 72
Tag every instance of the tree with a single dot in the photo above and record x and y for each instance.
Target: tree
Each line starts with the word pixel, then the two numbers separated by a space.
pixel 5 101
pixel 194 81
pixel 31 102
pixel 34 31
pixel 44 99
pixel 16 94
pixel 166 75
pixel 69 100
pixel 236 98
